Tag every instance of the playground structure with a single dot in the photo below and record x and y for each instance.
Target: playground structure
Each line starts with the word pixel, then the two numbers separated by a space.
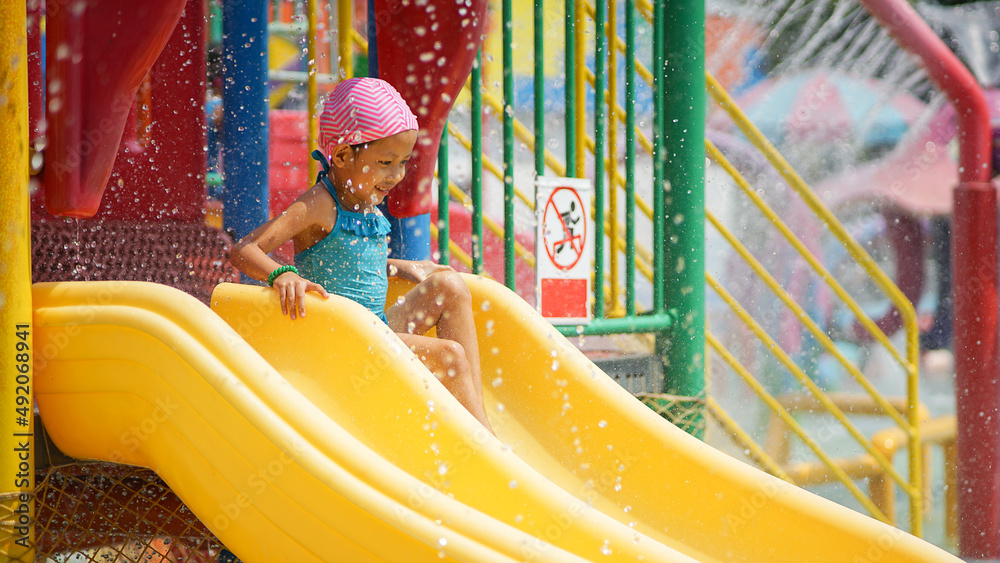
pixel 623 316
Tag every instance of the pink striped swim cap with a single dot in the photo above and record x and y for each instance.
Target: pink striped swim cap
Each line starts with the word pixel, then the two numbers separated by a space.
pixel 361 110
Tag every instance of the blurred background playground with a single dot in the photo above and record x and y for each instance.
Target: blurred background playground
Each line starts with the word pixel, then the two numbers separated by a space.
pixel 818 249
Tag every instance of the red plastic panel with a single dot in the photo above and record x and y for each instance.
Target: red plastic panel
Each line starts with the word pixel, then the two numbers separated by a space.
pixel 97 56
pixel 426 50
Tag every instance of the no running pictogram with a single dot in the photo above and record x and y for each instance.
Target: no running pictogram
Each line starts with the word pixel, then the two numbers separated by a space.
pixel 565 228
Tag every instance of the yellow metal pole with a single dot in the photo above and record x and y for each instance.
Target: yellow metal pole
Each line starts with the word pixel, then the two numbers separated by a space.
pixel 345 19
pixel 579 82
pixel 313 67
pixel 17 467
pixel 615 309
pixel 903 305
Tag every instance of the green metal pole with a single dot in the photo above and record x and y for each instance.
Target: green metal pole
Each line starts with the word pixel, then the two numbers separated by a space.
pixel 539 88
pixel 215 23
pixel 599 127
pixel 444 217
pixel 684 247
pixel 659 303
pixel 570 72
pixel 630 158
pixel 477 164
pixel 509 275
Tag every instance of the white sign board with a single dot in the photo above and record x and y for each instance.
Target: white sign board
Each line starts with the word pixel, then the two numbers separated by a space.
pixel 564 249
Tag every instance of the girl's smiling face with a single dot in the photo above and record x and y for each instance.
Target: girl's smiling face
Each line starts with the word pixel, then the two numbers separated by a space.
pixel 368 172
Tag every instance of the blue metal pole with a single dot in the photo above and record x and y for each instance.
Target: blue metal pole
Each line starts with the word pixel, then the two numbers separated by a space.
pixel 245 117
pixel 372 40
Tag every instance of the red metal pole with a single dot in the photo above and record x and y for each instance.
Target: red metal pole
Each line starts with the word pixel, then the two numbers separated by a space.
pixel 974 271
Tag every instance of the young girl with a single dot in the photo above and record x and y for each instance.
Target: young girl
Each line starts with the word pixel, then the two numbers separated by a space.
pixel 368 132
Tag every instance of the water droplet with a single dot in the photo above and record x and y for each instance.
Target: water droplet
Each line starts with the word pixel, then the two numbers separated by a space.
pixel 602 423
pixel 512 484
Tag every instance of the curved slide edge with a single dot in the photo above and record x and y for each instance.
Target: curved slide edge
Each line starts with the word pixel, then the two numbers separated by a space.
pixel 142 374
pixel 581 470
pixel 355 370
pixel 583 431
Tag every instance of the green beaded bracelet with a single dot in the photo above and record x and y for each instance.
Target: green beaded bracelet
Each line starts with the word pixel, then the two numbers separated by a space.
pixel 280 270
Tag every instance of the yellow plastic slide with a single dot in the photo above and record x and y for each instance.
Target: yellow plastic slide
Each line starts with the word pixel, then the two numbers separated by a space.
pixel 324 439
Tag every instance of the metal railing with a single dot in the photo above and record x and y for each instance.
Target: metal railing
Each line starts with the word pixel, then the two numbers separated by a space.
pixel 908 420
pixel 593 138
pixel 615 309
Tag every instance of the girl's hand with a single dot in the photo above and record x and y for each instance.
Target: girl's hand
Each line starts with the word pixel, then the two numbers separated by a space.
pixel 415 271
pixel 292 290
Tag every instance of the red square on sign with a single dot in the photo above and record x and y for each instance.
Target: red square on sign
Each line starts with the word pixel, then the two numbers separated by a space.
pixel 564 298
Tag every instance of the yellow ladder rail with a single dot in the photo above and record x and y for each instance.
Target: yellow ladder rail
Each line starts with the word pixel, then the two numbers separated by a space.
pixel 789 364
pixel 522 133
pixel 488 164
pixel 466 201
pixel 360 41
pixel 457 252
pixel 793 424
pixel 825 341
pixel 789 301
pixel 743 439
pixel 816 266
pixel 904 306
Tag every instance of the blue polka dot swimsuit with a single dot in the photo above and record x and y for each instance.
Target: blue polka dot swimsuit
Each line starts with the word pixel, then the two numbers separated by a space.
pixel 351 260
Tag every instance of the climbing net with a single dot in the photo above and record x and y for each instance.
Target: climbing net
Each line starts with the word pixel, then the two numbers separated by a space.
pixel 189 257
pixel 106 512
pixel 687 413
pixel 103 512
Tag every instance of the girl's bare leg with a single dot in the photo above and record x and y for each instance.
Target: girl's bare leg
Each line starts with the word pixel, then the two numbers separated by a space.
pixel 441 300
pixel 446 360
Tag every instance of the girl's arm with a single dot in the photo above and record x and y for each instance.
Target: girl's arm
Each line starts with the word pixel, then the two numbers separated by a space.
pixel 250 254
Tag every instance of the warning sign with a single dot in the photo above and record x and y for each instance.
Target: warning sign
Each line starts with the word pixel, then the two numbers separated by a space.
pixel 564 249
pixel 565 228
